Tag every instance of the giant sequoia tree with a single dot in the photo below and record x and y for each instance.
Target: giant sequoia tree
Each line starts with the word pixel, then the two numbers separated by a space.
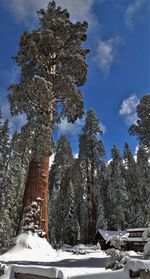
pixel 52 64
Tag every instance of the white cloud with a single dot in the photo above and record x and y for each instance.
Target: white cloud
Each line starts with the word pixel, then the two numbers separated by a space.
pixel 11 75
pixel 74 128
pixel 128 109
pixel 132 11
pixel 25 10
pixel 76 155
pixel 16 122
pixel 70 128
pixel 103 128
pixel 135 153
pixel 107 52
pixel 51 160
pixel 79 9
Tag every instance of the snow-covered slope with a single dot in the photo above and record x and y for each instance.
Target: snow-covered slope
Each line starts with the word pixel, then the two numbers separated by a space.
pixel 34 255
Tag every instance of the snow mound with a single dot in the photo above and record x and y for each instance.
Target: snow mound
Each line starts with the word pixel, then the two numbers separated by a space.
pixel 30 247
pixel 31 241
pixel 137 264
pixel 132 253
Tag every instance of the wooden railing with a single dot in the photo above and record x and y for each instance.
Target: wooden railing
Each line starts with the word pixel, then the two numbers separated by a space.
pixel 144 274
pixel 30 276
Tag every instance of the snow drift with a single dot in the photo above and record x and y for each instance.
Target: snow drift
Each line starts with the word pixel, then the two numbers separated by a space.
pixel 29 247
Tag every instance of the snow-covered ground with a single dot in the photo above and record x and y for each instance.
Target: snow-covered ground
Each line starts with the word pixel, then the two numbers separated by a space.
pixel 32 254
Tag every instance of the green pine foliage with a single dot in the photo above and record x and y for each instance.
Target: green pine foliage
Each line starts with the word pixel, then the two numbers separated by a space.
pixel 4 148
pixel 143 185
pixel 57 188
pixel 117 192
pixel 69 224
pixel 131 180
pixel 91 153
pixel 52 63
pixel 12 193
pixel 142 127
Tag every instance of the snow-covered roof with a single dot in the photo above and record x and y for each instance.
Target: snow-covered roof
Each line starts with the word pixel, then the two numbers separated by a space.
pixel 136 230
pixel 137 239
pixel 107 234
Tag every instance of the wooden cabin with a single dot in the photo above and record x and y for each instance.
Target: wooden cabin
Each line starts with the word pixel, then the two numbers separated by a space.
pixel 102 237
pixel 135 241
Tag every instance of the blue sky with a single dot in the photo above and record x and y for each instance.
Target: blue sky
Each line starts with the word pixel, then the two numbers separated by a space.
pixel 119 60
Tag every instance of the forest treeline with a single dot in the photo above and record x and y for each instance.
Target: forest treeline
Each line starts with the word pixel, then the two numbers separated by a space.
pixel 85 193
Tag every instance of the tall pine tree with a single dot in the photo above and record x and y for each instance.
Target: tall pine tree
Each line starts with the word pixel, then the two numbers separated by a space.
pixel 131 182
pixel 143 186
pixel 57 187
pixel 12 192
pixel 90 154
pixel 117 193
pixel 142 127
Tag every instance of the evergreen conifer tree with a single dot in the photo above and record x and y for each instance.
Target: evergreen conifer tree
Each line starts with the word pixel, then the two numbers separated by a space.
pixel 4 154
pixel 90 154
pixel 117 193
pixel 78 188
pixel 12 193
pixel 4 149
pixel 69 222
pixel 131 182
pixel 143 186
pixel 58 174
pixel 103 205
pixel 52 63
pixel 142 128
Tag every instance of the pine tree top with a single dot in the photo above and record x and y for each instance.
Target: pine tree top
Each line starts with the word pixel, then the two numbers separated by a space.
pixel 53 67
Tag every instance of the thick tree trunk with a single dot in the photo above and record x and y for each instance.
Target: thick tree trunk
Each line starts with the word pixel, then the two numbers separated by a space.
pixel 34 215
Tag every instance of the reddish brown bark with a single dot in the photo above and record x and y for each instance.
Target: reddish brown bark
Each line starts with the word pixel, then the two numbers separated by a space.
pixel 34 215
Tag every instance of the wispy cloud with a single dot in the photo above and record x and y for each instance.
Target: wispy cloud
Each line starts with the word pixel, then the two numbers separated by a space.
pixel 15 123
pixel 128 109
pixel 10 75
pixel 51 160
pixel 76 155
pixel 107 53
pixel 70 129
pixel 74 129
pixel 132 12
pixel 25 11
pixel 79 10
pixel 103 128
